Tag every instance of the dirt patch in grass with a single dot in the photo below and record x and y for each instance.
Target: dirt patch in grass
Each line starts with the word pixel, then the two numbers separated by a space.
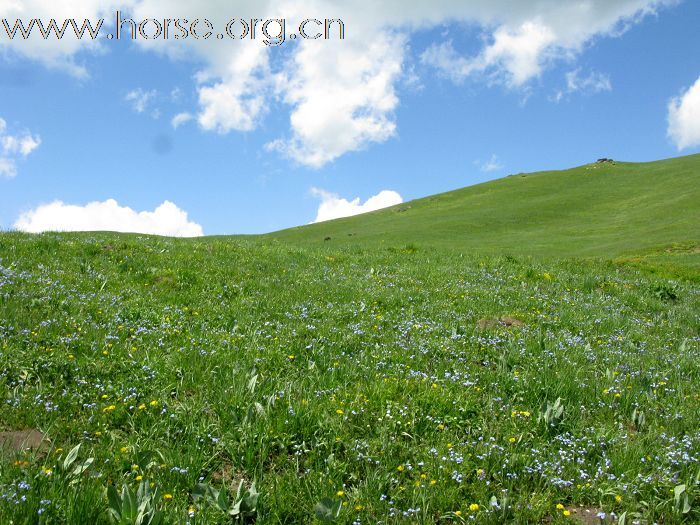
pixel 588 516
pixel 14 441
pixel 495 322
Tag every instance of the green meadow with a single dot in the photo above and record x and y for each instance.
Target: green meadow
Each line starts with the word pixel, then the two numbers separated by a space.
pixel 522 351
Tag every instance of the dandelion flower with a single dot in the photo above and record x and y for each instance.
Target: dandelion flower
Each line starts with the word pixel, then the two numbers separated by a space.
pixel 474 507
pixel 167 497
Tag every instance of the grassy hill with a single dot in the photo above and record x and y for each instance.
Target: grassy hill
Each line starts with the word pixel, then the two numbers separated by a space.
pixel 602 210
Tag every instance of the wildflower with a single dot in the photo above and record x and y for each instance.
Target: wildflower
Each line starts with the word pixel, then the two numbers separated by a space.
pixel 340 493
pixel 474 507
pixel 441 426
pixel 153 403
pixel 142 406
pixel 191 511
pixel 458 513
pixel 168 497
pixel 124 450
pixel 98 434
pixel 46 471
pixel 433 482
pixel 512 440
pixel 400 468
pixel 139 477
pixel 359 507
pixel 339 412
pixel 618 498
pixel 109 408
pixel 567 513
pixel 291 357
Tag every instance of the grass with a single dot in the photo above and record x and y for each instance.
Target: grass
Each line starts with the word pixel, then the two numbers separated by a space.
pixel 350 382
pixel 522 351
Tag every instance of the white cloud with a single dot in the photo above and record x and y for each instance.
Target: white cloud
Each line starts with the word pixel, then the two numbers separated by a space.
pixel 684 118
pixel 14 148
pixel 515 55
pixel 140 99
pixel 167 219
pixel 342 96
pixel 594 82
pixel 351 108
pixel 181 118
pixel 491 165
pixel 333 206
pixel 8 169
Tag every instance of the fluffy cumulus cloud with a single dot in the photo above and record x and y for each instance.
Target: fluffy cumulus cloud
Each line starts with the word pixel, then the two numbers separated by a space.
pixel 14 147
pixel 167 219
pixel 684 118
pixel 342 96
pixel 334 207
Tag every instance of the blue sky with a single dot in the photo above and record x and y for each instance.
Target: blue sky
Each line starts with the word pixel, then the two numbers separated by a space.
pixel 421 104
